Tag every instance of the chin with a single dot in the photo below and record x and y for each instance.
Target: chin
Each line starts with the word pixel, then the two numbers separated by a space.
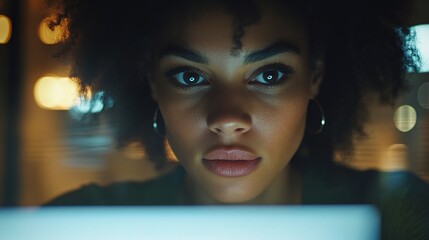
pixel 235 197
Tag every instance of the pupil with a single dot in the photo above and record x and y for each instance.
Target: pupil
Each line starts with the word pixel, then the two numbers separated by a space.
pixel 190 77
pixel 270 75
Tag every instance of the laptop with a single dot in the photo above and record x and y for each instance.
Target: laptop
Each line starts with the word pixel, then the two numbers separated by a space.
pixel 191 222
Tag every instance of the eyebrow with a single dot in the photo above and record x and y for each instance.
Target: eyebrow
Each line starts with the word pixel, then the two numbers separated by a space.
pixel 194 56
pixel 183 52
pixel 272 50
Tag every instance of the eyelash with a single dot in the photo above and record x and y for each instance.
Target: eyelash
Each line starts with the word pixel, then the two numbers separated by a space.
pixel 283 70
pixel 171 75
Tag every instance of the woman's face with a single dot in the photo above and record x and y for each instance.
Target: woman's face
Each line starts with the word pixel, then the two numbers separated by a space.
pixel 234 121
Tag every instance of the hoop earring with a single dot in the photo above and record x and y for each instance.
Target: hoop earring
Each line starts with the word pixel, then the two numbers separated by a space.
pixel 319 121
pixel 156 126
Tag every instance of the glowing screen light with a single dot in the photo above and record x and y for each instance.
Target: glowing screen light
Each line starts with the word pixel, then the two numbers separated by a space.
pixel 56 93
pixel 405 118
pixel 333 222
pixel 51 36
pixel 5 29
pixel 422 44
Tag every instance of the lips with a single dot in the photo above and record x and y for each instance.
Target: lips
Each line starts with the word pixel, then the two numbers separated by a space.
pixel 231 162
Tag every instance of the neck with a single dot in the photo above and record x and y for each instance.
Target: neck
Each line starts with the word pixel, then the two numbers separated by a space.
pixel 285 189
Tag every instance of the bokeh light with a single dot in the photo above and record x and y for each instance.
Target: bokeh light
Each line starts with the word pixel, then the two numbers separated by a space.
pixel 52 36
pixel 90 103
pixel 422 44
pixel 405 118
pixel 423 95
pixel 5 29
pixel 396 158
pixel 134 150
pixel 56 93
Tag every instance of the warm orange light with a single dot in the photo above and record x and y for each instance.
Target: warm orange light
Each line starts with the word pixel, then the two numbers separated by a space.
pixel 135 150
pixel 396 158
pixel 54 36
pixel 56 93
pixel 5 29
pixel 169 152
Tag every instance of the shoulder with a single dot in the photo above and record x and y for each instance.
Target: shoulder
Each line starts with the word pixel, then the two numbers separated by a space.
pixel 403 201
pixel 373 186
pixel 162 190
pixel 372 183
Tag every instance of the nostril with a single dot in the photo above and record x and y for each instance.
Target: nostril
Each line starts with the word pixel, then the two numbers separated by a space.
pixel 228 127
pixel 239 130
pixel 229 131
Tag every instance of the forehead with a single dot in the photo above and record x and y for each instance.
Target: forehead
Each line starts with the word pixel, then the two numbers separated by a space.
pixel 214 27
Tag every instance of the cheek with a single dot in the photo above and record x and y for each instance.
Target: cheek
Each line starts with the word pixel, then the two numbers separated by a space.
pixel 291 132
pixel 282 124
pixel 284 129
pixel 183 125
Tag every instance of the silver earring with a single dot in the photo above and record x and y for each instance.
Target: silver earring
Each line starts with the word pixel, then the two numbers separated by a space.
pixel 319 121
pixel 155 124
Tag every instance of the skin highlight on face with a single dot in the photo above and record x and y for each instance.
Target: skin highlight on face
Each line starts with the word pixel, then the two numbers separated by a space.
pixel 253 103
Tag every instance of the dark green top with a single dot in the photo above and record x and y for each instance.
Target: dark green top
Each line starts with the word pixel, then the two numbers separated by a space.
pixel 401 197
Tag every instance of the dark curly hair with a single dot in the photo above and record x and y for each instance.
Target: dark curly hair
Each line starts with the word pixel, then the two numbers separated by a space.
pixel 366 46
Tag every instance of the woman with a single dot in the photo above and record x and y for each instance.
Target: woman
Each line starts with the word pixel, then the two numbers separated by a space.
pixel 253 97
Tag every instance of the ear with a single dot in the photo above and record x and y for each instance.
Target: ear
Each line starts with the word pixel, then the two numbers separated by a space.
pixel 317 77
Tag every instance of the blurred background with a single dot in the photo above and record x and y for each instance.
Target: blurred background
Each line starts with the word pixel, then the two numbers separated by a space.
pixel 48 147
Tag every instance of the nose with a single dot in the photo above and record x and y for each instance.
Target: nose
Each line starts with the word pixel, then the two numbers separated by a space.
pixel 229 113
pixel 230 125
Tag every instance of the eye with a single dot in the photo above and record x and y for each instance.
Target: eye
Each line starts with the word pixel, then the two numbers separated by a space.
pixel 271 74
pixel 187 78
